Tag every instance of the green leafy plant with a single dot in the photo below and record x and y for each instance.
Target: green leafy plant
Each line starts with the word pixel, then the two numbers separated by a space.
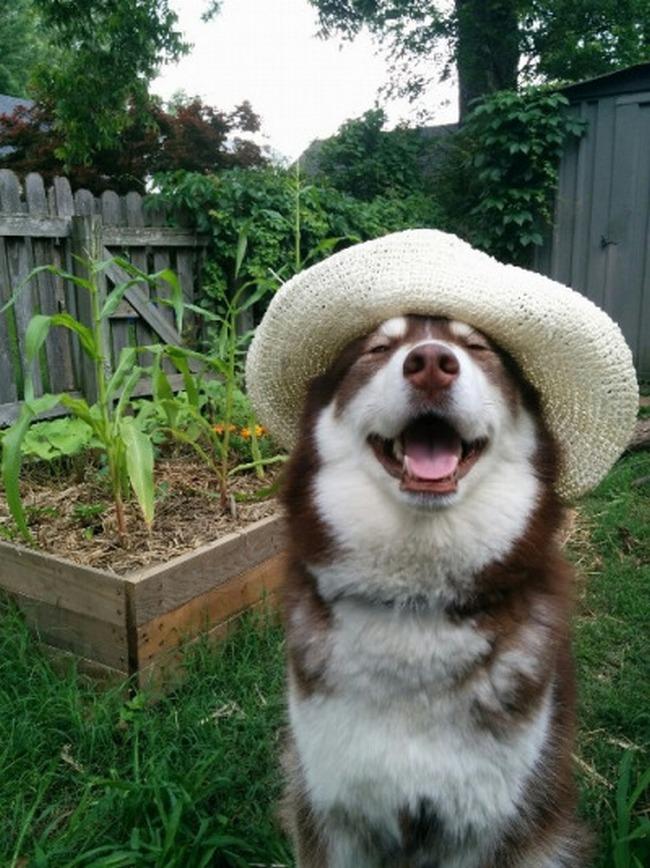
pixel 631 836
pixel 366 161
pixel 128 451
pixel 58 438
pixel 260 203
pixel 499 175
pixel 185 420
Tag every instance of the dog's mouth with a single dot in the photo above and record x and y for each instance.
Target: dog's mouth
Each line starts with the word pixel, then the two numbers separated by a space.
pixel 428 456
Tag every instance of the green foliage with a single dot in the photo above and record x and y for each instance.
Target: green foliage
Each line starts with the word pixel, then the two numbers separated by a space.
pixel 631 839
pixel 213 446
pixel 59 438
pixel 261 204
pixel 577 39
pixel 500 172
pixel 98 776
pixel 365 162
pixel 611 547
pixel 187 134
pixel 128 452
pixel 494 44
pixel 22 45
pixel 127 443
pixel 109 52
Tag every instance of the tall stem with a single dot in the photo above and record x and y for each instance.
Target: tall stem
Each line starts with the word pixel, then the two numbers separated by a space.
pixel 230 388
pixel 296 228
pixel 105 407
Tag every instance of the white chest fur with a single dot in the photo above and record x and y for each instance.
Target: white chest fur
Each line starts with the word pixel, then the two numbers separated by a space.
pixel 391 732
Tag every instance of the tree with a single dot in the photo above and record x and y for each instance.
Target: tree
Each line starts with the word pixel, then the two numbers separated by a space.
pixel 109 52
pixel 364 161
pixel 21 46
pixel 190 136
pixel 495 44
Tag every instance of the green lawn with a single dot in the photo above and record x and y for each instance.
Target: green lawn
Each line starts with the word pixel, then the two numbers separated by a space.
pixel 89 777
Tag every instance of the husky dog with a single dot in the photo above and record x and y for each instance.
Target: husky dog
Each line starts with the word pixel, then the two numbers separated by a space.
pixel 431 691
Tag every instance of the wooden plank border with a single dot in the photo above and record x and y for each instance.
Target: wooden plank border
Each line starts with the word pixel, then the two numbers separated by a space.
pixel 135 623
pixel 205 613
pixel 164 588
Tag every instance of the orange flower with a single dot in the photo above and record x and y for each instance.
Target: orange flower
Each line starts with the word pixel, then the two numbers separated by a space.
pixel 220 427
pixel 260 430
pixel 245 433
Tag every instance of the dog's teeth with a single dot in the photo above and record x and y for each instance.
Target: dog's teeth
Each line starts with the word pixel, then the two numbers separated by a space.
pixel 398 452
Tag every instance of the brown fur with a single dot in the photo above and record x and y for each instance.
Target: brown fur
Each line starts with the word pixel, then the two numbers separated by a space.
pixel 525 594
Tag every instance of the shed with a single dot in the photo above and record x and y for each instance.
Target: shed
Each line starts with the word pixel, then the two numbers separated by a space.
pixel 600 241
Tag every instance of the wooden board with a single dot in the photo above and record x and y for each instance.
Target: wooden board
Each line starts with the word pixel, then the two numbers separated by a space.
pixel 160 589
pixel 88 636
pixel 203 613
pixel 58 582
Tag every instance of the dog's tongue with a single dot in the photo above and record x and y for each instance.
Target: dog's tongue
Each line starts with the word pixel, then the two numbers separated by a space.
pixel 431 457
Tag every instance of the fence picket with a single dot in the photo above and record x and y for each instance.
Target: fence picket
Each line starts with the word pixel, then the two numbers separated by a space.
pixel 8 390
pixel 84 203
pixel 19 262
pixel 50 292
pixel 111 212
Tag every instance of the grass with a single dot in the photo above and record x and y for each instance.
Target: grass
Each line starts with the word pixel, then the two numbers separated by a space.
pixel 611 547
pixel 92 777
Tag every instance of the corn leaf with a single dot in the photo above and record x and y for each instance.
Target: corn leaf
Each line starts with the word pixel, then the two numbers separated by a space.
pixel 12 457
pixel 125 364
pixel 82 410
pixel 139 466
pixel 115 296
pixel 84 334
pixel 127 390
pixel 175 300
pixel 36 334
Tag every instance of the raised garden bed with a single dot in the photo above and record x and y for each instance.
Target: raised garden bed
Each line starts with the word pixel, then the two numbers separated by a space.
pixel 132 624
pixel 126 609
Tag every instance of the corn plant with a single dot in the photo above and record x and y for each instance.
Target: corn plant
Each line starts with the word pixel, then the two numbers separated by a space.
pixel 128 451
pixel 229 349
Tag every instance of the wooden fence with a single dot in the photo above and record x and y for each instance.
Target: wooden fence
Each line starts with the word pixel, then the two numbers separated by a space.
pixel 52 227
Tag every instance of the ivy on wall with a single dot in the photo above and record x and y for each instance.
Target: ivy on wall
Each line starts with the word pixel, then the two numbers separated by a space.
pixel 497 181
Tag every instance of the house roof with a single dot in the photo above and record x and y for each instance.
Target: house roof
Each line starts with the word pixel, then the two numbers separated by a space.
pixel 629 80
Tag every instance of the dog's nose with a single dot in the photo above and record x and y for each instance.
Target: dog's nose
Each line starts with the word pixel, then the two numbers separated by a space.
pixel 431 367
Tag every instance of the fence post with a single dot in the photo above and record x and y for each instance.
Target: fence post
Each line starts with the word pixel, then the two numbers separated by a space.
pixel 86 246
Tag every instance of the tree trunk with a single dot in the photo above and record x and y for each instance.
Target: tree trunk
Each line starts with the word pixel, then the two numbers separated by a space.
pixel 487 48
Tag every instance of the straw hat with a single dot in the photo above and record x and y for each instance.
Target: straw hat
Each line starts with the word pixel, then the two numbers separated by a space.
pixel 568 348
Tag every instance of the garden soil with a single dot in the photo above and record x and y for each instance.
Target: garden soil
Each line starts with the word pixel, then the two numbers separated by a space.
pixel 71 514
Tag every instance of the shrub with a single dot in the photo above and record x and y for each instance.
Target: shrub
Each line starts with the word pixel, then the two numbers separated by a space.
pixel 499 176
pixel 263 203
pixel 365 161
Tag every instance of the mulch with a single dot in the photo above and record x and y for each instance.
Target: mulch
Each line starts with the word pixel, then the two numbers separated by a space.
pixel 71 514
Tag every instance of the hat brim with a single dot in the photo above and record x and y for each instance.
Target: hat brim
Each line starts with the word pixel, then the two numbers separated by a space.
pixel 568 348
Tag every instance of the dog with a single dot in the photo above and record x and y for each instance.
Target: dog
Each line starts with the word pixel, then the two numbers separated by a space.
pixel 427 605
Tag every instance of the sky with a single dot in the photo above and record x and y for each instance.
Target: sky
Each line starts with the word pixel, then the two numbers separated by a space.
pixel 267 51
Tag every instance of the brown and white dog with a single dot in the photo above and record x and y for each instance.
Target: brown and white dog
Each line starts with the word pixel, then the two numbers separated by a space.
pixel 431 692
